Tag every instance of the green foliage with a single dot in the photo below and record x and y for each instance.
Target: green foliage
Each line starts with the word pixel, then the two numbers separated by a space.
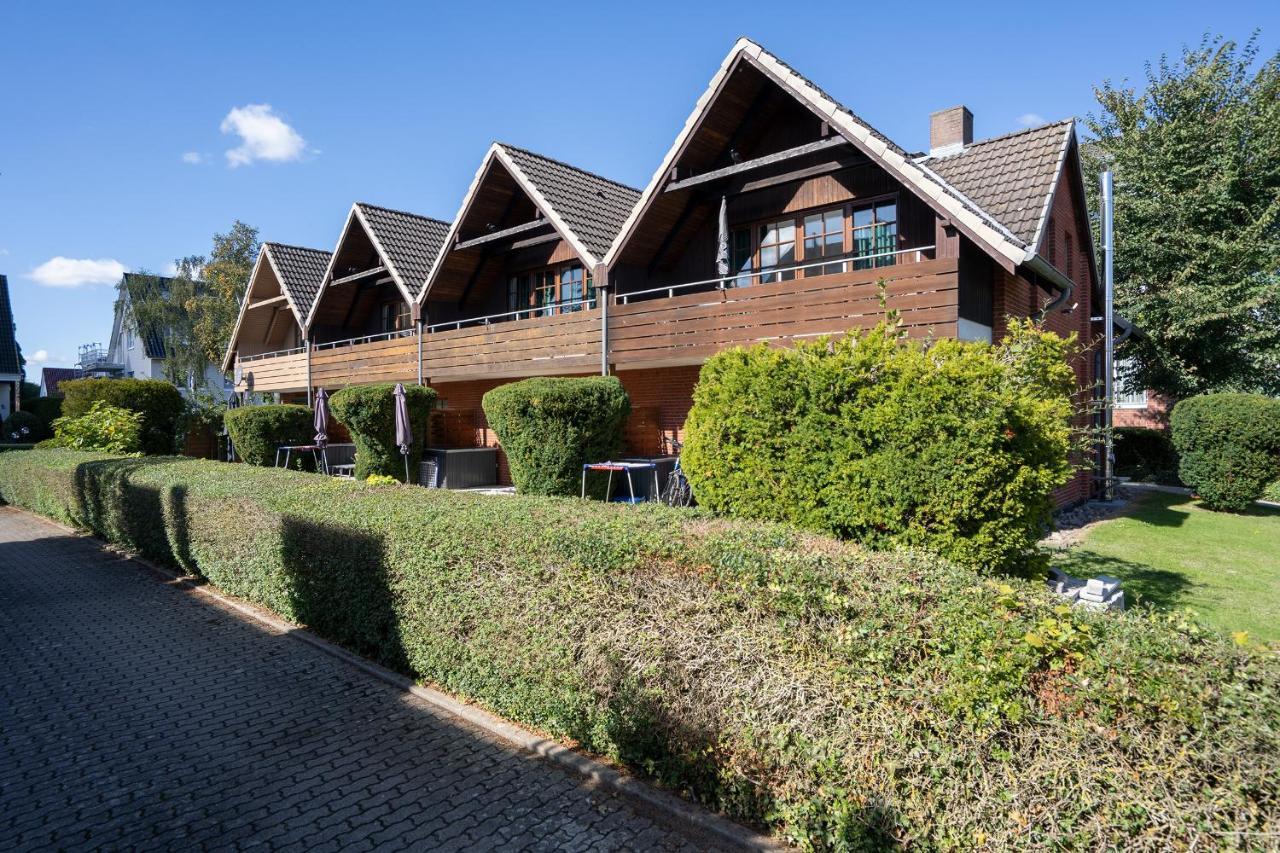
pixel 369 412
pixel 846 699
pixel 46 410
pixel 29 390
pixel 256 431
pixel 1145 455
pixel 159 403
pixel 1228 447
pixel 952 447
pixel 106 428
pixel 23 427
pixel 224 275
pixel 380 480
pixel 1196 156
pixel 550 426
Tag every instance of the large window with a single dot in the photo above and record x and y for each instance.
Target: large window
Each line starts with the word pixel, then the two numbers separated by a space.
pixel 555 290
pixel 394 316
pixel 824 237
pixel 741 256
pixel 1127 395
pixel 875 235
pixel 777 249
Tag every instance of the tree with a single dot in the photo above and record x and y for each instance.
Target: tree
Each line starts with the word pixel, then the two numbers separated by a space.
pixel 215 306
pixel 1196 158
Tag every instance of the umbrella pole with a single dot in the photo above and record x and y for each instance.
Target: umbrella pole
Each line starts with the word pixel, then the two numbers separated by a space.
pixel 406 469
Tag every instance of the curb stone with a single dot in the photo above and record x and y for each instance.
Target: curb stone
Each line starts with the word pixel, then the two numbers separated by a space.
pixel 662 803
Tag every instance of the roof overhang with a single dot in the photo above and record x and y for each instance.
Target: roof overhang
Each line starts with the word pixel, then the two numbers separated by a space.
pixel 500 156
pixel 356 215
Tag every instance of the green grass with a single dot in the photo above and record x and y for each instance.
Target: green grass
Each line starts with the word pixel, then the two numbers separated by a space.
pixel 1171 552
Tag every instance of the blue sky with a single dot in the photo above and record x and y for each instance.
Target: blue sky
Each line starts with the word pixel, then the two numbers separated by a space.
pixel 112 116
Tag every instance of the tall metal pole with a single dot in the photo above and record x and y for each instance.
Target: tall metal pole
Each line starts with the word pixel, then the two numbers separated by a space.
pixel 1108 315
pixel 307 345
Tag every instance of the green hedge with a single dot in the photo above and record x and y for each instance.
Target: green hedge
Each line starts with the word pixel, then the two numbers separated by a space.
pixel 12 429
pixel 848 699
pixel 369 413
pixel 256 431
pixel 1228 447
pixel 1145 455
pixel 159 402
pixel 953 447
pixel 550 426
pixel 47 410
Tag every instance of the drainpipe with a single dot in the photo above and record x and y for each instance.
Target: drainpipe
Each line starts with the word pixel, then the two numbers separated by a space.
pixel 1108 313
pixel 602 294
pixel 417 318
pixel 307 344
pixel 1055 279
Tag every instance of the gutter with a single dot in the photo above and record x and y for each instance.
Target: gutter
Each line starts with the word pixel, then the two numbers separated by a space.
pixel 1054 278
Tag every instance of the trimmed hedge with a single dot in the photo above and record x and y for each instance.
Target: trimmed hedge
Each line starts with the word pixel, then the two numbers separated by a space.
pixel 847 699
pixel 1228 447
pixel 948 446
pixel 161 406
pixel 1145 455
pixel 369 413
pixel 256 431
pixel 550 426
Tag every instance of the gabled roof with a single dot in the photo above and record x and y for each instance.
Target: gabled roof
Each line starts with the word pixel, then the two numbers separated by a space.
pixel 407 243
pixel 9 361
pixel 584 208
pixel 300 271
pixel 1011 177
pixel 50 377
pixel 152 337
pixel 1009 246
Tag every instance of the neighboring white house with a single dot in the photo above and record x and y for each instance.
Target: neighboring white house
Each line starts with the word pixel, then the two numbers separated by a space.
pixel 10 362
pixel 139 353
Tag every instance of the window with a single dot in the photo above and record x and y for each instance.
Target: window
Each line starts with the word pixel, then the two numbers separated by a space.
pixel 875 235
pixel 561 289
pixel 395 316
pixel 1125 394
pixel 741 258
pixel 824 237
pixel 777 249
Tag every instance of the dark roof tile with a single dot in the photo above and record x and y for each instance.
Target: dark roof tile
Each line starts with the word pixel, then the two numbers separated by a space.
pixel 9 361
pixel 301 271
pixel 411 242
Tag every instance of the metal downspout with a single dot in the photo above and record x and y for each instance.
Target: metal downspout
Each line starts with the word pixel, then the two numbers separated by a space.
pixel 307 344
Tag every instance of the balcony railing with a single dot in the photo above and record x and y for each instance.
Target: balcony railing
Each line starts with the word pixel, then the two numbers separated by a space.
pixel 573 306
pixel 258 356
pixel 366 339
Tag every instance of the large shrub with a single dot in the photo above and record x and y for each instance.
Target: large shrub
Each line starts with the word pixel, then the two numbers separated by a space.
pixel 46 411
pixel 257 431
pixel 953 447
pixel 846 699
pixel 550 426
pixel 104 427
pixel 369 412
pixel 22 427
pixel 1228 447
pixel 159 403
pixel 1145 455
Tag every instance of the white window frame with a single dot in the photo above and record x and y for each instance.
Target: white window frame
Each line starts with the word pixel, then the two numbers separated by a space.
pixel 1123 397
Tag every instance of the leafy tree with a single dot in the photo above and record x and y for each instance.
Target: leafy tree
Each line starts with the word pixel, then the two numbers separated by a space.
pixel 1196 157
pixel 225 275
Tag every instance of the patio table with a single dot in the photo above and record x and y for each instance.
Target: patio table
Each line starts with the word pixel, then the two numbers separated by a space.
pixel 624 467
pixel 317 453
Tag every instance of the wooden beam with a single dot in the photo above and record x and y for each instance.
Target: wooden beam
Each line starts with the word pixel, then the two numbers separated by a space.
pixel 535 241
pixel 378 270
pixel 264 303
pixel 757 163
pixel 833 165
pixel 494 237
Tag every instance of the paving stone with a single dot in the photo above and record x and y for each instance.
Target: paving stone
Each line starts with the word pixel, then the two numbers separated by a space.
pixel 136 714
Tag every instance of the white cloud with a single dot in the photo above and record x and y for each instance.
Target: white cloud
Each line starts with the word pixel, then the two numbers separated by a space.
pixel 1031 120
pixel 40 356
pixel 74 272
pixel 3 251
pixel 194 158
pixel 263 136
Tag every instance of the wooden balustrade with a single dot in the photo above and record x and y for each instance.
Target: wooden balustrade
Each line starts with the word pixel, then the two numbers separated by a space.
pixel 535 346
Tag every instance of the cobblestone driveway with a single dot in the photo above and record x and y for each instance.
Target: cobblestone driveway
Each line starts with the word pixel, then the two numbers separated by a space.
pixel 137 715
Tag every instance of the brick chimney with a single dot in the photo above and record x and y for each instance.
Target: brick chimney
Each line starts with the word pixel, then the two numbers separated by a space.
pixel 950 130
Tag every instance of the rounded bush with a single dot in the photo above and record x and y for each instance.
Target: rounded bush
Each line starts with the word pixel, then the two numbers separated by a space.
pixel 954 447
pixel 22 427
pixel 549 426
pixel 46 410
pixel 1145 454
pixel 1228 447
pixel 369 412
pixel 161 406
pixel 256 431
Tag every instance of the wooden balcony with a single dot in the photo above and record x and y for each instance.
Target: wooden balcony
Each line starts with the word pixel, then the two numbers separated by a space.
pixel 531 346
pixel 364 361
pixel 279 371
pixel 686 329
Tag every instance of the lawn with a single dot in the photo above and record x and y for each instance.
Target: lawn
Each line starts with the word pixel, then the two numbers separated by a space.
pixel 1171 552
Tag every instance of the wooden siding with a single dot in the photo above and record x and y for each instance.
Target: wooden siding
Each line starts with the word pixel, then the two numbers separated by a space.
pixel 273 373
pixel 362 364
pixel 537 346
pixel 687 329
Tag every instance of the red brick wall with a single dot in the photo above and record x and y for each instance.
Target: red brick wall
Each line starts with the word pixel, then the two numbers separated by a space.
pixel 1154 416
pixel 1016 297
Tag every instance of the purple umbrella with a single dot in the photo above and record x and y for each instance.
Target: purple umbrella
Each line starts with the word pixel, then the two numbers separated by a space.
pixel 404 432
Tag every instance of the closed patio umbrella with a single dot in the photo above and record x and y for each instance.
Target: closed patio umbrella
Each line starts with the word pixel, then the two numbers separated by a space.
pixel 722 242
pixel 321 425
pixel 404 431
